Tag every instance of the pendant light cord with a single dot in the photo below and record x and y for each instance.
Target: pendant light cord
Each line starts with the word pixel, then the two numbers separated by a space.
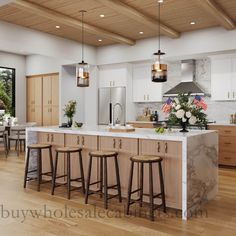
pixel 82 36
pixel 159 25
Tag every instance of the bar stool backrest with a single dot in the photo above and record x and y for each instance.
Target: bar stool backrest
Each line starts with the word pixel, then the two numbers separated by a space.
pixel 18 130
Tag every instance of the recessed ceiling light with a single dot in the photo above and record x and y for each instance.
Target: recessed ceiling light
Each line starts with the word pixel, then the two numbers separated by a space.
pixel 99 40
pixel 102 15
pixel 160 1
pixel 58 26
pixel 141 32
pixel 192 23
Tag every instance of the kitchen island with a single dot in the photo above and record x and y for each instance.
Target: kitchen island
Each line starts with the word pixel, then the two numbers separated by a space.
pixel 190 160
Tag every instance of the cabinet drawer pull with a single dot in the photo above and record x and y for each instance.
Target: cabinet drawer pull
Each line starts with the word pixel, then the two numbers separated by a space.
pixel 78 140
pixel 52 138
pixel 120 144
pixel 83 140
pixel 227 158
pixel 158 147
pixel 227 131
pixel 48 137
pixel 166 147
pixel 228 143
pixel 114 143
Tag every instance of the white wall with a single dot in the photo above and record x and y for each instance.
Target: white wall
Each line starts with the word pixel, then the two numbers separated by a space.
pixel 17 62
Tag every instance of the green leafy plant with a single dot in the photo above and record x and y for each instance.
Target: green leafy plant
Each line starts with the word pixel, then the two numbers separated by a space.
pixel 70 108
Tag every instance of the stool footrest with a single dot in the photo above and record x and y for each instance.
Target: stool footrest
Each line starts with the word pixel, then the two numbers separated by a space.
pixel 97 182
pixel 112 196
pixel 115 186
pixel 31 171
pixel 60 176
pixel 75 188
pixel 47 173
pixel 134 201
pixel 58 185
pixel 135 191
pixel 76 179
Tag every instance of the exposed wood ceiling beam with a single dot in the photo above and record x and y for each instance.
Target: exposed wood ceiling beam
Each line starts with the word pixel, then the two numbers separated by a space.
pixel 5 2
pixel 134 14
pixel 66 20
pixel 215 10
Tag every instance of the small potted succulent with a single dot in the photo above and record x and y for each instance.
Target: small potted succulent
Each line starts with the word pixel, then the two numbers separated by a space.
pixel 70 109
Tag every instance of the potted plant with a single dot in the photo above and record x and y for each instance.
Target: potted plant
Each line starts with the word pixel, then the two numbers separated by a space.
pixel 185 110
pixel 70 109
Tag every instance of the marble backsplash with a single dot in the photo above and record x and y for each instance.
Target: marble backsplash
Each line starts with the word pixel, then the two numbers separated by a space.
pixel 218 111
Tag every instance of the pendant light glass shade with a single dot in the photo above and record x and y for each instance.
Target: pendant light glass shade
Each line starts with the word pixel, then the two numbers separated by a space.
pixel 159 70
pixel 82 69
pixel 82 74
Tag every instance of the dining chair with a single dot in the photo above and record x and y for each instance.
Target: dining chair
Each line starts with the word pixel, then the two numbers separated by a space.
pixel 3 139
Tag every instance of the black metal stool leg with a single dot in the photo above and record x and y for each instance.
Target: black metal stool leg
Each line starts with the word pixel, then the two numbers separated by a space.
pixel 82 172
pixel 105 184
pixel 51 162
pixel 118 179
pixel 162 187
pixel 141 186
pixel 101 176
pixel 88 179
pixel 151 192
pixel 54 174
pixel 130 187
pixel 26 167
pixel 39 169
pixel 68 175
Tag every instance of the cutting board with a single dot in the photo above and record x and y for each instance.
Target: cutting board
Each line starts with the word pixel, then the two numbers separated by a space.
pixel 123 130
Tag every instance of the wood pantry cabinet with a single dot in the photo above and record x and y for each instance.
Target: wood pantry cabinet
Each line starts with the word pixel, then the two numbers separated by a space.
pixel 43 99
pixel 126 148
pixel 227 144
pixel 87 143
pixel 56 140
pixel 171 152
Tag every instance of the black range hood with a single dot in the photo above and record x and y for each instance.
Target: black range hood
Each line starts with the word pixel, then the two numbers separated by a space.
pixel 188 83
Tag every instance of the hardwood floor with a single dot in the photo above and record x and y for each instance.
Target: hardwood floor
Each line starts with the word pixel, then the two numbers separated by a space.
pixel 18 208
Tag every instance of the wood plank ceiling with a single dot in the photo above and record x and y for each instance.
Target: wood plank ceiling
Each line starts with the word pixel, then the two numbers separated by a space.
pixel 123 20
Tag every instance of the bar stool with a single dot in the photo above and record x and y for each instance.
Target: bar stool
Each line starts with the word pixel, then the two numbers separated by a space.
pixel 38 148
pixel 146 160
pixel 103 181
pixel 68 151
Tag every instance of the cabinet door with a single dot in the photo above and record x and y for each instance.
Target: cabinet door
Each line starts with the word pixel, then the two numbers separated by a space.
pixel 38 86
pixel 56 140
pixel 31 113
pixel 54 115
pixel 47 115
pixel 154 91
pixel 221 79
pixel 139 90
pixel 233 81
pixel 173 173
pixel 47 90
pixel 55 90
pixel 30 91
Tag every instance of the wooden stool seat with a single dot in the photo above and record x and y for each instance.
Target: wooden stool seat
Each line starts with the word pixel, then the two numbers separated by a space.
pixel 146 158
pixel 38 146
pixel 66 153
pixel 68 149
pixel 103 154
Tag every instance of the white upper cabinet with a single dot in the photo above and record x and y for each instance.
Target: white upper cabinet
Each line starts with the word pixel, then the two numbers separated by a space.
pixel 113 76
pixel 221 79
pixel 144 90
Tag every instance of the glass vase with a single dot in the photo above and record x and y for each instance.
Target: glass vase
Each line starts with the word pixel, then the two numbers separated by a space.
pixel 184 126
pixel 69 121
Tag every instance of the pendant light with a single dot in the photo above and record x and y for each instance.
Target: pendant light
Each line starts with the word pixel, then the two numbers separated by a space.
pixel 159 70
pixel 82 69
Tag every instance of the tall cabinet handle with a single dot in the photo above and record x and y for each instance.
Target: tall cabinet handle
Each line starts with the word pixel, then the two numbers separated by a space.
pixel 166 147
pixel 48 137
pixel 114 143
pixel 120 144
pixel 52 138
pixel 83 140
pixel 78 140
pixel 158 147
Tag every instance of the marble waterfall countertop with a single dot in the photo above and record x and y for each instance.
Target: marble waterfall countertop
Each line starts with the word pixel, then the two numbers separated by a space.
pixel 140 133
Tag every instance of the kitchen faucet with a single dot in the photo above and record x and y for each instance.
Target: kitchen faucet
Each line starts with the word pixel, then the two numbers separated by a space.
pixel 117 120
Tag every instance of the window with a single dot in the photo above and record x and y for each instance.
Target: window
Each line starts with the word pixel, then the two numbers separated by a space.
pixel 7 90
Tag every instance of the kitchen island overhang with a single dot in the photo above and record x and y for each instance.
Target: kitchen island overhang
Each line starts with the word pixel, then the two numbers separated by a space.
pixel 199 157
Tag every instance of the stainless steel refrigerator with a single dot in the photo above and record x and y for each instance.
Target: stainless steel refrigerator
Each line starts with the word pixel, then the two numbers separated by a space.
pixel 112 105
